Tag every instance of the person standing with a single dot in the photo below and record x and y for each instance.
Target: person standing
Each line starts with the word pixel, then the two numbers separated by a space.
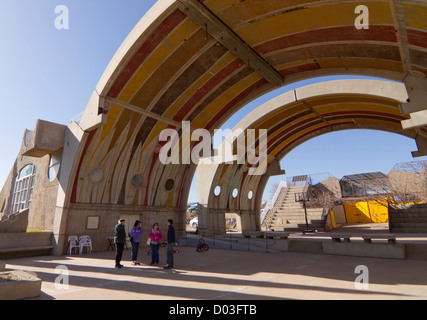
pixel 169 249
pixel 120 241
pixel 155 236
pixel 135 236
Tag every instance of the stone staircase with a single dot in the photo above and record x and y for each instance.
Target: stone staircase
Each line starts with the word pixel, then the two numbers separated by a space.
pixel 289 215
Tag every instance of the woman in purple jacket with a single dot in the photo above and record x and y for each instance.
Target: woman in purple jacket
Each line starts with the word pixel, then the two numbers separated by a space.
pixel 135 236
pixel 155 236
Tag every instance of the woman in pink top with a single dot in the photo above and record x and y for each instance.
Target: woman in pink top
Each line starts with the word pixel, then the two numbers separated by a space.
pixel 155 236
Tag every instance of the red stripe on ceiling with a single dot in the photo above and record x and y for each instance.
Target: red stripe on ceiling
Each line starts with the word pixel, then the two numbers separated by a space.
pixel 300 68
pixel 375 33
pixel 417 38
pixel 235 101
pixel 309 133
pixel 155 38
pixel 382 116
pixel 350 112
pixel 206 88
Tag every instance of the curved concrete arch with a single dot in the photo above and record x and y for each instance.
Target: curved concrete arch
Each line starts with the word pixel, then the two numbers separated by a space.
pixel 201 61
pixel 292 119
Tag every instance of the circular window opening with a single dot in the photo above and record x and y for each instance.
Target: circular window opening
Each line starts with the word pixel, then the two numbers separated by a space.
pixel 250 195
pixel 217 191
pixel 54 165
pixel 96 175
pixel 235 193
pixel 137 181
pixel 169 184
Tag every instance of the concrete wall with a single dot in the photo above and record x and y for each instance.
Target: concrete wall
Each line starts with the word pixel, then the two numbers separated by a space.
pixel 25 240
pixel 43 200
pixel 408 219
pixel 17 222
pixel 109 215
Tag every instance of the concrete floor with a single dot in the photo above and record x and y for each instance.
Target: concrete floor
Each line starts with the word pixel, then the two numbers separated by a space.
pixel 228 275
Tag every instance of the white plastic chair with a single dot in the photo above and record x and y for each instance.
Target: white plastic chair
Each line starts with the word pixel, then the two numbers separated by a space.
pixel 73 242
pixel 85 241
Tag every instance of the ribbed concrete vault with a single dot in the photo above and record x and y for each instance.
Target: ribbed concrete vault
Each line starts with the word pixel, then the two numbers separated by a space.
pixel 201 61
pixel 291 119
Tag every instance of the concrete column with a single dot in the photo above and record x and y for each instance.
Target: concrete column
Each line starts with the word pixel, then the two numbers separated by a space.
pixel 249 221
pixel 74 136
pixel 422 147
pixel 417 92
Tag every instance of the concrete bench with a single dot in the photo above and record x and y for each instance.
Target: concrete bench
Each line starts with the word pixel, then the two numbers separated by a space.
pixel 277 235
pixel 337 237
pixel 389 237
pixel 11 253
pixel 258 234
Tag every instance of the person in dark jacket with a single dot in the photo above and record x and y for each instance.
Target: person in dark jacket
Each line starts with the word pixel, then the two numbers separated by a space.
pixel 120 241
pixel 171 241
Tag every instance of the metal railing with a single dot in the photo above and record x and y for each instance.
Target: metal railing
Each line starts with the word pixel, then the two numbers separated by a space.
pixel 271 204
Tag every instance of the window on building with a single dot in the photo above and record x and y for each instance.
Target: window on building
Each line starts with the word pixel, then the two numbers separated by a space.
pixel 54 165
pixel 23 189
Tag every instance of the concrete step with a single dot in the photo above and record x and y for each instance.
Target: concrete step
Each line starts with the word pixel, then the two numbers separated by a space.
pixel 12 253
pixel 296 217
pixel 290 225
pixel 290 208
pixel 406 219
pixel 408 230
pixel 289 213
pixel 416 213
pixel 306 246
pixel 410 224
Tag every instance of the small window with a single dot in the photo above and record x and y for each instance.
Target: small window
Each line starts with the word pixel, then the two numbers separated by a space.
pixel 250 195
pixel 235 193
pixel 217 191
pixel 137 180
pixel 54 165
pixel 23 189
pixel 169 184
pixel 96 175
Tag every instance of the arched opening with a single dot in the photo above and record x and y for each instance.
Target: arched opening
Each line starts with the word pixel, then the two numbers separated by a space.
pixel 170 72
pixel 326 159
pixel 293 118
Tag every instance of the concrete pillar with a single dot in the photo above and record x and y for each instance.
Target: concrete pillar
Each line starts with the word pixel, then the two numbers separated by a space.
pixel 74 135
pixel 422 147
pixel 417 92
pixel 206 171
pixel 249 221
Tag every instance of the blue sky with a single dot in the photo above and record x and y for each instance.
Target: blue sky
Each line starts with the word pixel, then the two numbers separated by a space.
pixel 50 74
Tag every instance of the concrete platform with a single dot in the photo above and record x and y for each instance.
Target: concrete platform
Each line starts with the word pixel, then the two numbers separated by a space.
pixel 403 246
pixel 18 285
pixel 228 275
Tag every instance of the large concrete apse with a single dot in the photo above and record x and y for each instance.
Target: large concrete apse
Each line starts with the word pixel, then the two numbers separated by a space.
pixel 201 61
pixel 291 119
